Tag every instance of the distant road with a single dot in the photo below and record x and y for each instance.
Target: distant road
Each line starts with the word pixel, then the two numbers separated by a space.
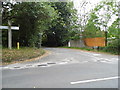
pixel 64 68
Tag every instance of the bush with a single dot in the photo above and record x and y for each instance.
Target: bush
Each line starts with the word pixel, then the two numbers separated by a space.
pixel 113 47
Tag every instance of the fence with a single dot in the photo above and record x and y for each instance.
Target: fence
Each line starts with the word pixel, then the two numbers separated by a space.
pixel 98 41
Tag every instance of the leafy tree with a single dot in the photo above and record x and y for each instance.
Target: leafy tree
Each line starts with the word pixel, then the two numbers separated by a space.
pixel 108 13
pixel 102 18
pixel 113 30
pixel 108 21
pixel 58 32
pixel 91 30
pixel 33 18
pixel 55 20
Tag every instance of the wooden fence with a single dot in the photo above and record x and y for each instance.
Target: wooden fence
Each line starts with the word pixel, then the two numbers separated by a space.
pixel 98 41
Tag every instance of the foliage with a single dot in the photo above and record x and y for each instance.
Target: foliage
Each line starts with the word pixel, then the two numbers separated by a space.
pixel 54 20
pixel 74 35
pixel 91 30
pixel 33 18
pixel 107 13
pixel 113 47
pixel 104 17
pixel 58 33
pixel 113 30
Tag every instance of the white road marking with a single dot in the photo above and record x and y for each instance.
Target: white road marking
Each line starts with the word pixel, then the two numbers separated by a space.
pixel 63 62
pixel 93 80
pixel 105 61
pixel 95 58
pixel 96 54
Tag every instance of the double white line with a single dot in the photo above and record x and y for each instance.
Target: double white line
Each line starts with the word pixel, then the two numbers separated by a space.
pixel 93 80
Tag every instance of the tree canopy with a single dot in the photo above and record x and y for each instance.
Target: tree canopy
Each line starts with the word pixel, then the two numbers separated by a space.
pixel 104 17
pixel 51 19
pixel 58 22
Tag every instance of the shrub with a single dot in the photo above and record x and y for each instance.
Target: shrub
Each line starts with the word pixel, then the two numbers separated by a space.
pixel 113 47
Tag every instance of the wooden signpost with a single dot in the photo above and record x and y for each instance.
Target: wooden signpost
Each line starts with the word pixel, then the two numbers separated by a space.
pixel 10 28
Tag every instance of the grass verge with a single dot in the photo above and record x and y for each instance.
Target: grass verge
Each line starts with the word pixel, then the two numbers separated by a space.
pixel 94 50
pixel 22 54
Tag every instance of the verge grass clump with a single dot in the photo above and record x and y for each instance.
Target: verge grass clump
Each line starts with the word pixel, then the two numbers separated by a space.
pixel 21 54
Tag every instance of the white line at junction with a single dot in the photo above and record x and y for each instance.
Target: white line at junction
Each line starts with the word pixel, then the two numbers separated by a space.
pixel 93 80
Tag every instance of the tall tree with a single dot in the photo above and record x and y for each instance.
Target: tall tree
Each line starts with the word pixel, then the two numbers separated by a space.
pixel 33 18
pixel 91 30
pixel 106 13
pixel 58 33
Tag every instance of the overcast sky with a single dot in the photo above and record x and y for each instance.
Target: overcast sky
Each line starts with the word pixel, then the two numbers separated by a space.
pixel 88 7
pixel 76 2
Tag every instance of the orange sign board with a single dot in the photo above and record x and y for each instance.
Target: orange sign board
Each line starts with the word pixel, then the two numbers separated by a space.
pixel 98 41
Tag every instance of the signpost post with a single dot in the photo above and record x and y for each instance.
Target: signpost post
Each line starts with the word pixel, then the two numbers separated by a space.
pixel 9 27
pixel 9 35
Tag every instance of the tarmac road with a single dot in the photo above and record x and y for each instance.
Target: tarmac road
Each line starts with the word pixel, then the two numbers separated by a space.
pixel 64 68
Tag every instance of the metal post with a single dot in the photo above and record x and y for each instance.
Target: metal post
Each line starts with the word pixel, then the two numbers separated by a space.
pixel 9 35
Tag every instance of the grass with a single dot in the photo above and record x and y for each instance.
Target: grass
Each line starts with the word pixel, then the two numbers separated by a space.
pixel 95 50
pixel 23 53
pixel 83 48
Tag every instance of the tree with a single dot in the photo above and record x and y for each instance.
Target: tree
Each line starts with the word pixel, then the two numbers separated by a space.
pixel 114 30
pixel 54 20
pixel 91 30
pixel 104 13
pixel 108 13
pixel 58 32
pixel 32 17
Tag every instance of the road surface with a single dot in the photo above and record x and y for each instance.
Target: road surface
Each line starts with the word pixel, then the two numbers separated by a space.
pixel 64 68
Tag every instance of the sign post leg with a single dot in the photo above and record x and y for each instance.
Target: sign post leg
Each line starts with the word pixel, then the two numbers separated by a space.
pixel 9 35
